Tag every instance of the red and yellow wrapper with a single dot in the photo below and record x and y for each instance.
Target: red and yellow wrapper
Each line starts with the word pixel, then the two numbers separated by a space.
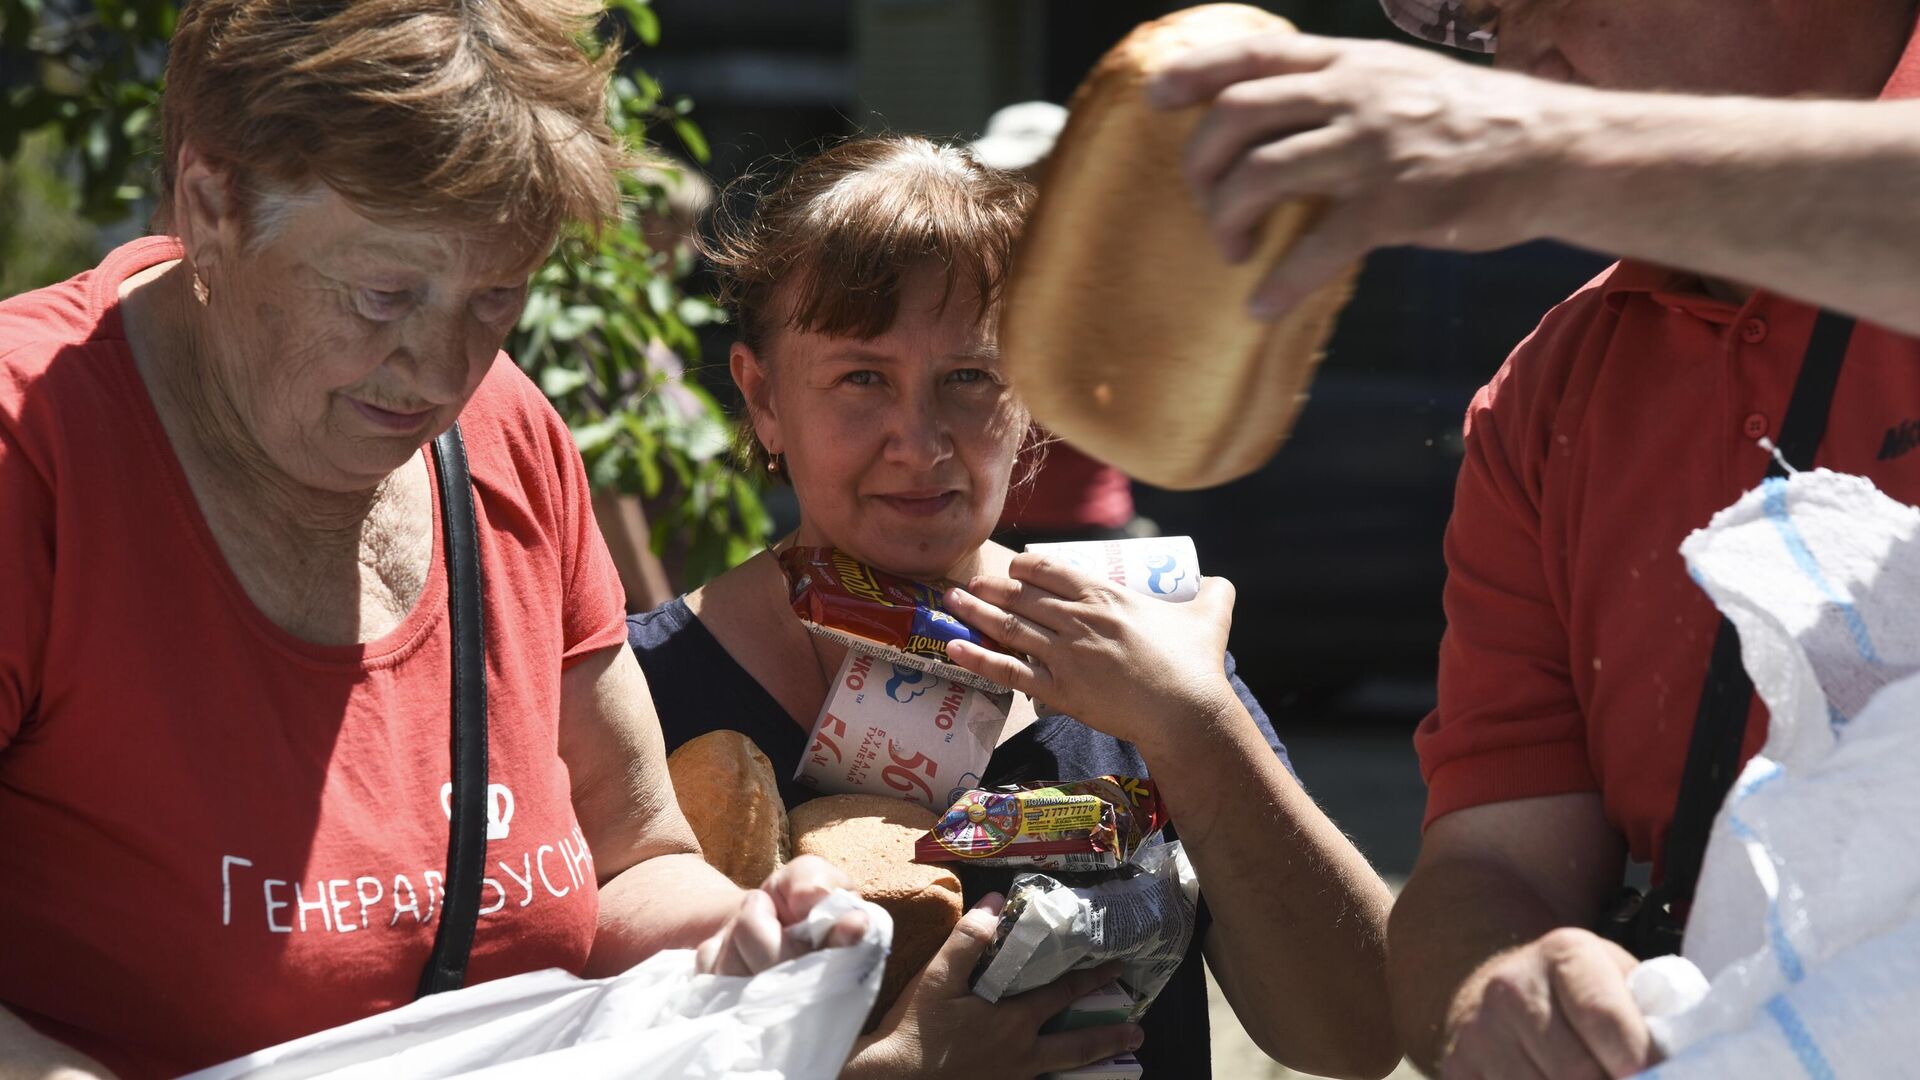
pixel 1080 825
pixel 883 615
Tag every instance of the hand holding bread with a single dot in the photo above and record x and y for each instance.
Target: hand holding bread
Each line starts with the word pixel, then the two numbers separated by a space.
pixel 1401 145
pixel 926 1021
pixel 871 838
pixel 941 1028
pixel 1126 331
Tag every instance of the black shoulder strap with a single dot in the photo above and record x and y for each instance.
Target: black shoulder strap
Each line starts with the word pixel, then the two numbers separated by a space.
pixel 467 840
pixel 1721 722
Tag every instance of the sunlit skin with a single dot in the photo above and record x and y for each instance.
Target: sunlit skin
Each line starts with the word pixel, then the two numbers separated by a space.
pixel 900 448
pixel 330 352
pixel 1768 48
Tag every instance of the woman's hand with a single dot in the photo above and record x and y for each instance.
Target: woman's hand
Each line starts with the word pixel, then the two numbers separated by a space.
pixel 940 1028
pixel 1403 147
pixel 1118 661
pixel 755 938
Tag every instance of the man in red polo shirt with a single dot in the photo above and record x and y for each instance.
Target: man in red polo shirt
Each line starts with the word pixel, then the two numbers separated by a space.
pixel 1577 647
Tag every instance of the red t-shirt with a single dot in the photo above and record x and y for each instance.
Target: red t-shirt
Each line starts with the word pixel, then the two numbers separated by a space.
pixel 1576 644
pixel 215 836
pixel 1072 491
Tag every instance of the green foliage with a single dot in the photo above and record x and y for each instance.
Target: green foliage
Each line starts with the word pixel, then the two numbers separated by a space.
pixel 608 327
pixel 97 85
pixel 41 239
pixel 603 332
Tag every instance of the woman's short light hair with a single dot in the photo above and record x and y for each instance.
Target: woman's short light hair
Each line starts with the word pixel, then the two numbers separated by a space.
pixel 484 113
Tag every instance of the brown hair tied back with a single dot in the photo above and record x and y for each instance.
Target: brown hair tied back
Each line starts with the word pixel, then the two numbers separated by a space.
pixel 826 246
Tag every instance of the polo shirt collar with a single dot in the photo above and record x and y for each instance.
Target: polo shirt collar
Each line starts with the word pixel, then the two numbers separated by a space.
pixel 1677 289
pixel 1905 82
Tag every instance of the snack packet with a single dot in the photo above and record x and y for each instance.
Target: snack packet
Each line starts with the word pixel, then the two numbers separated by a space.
pixel 894 618
pixel 1078 826
pixel 1124 1067
pixel 1108 1004
pixel 1162 566
pixel 889 729
pixel 1142 916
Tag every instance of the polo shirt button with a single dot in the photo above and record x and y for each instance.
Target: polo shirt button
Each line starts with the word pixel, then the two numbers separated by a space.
pixel 1756 425
pixel 1753 331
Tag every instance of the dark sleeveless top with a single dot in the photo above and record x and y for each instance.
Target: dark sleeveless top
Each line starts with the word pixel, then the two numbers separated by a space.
pixel 698 687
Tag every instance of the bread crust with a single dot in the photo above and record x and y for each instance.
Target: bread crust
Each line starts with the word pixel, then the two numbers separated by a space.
pixel 727 790
pixel 871 838
pixel 1124 330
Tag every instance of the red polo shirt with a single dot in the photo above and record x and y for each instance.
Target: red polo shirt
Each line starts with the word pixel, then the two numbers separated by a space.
pixel 1576 644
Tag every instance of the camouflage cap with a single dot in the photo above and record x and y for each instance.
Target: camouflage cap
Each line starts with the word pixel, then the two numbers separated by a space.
pixel 1443 22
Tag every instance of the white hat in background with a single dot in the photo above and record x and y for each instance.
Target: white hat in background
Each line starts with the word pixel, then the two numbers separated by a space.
pixel 1443 22
pixel 1019 136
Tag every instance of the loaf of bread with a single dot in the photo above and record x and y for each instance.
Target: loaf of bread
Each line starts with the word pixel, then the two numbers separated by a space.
pixel 729 795
pixel 871 838
pixel 1125 330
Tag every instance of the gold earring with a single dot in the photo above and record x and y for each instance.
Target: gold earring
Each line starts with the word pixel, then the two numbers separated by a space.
pixel 775 465
pixel 200 290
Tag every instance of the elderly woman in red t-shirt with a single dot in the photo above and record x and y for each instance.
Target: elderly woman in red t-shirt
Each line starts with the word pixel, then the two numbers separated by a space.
pixel 224 643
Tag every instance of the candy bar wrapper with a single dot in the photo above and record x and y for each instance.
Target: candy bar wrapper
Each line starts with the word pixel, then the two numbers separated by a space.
pixel 889 729
pixel 1162 566
pixel 894 618
pixel 1078 826
pixel 1142 916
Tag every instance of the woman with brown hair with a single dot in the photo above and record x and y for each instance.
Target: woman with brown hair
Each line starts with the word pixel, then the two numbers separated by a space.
pixel 865 287
pixel 226 657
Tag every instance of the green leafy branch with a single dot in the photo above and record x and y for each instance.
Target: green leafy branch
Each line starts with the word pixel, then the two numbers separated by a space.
pixel 609 328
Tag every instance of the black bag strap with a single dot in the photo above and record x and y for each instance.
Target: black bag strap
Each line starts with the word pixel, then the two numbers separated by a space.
pixel 1720 724
pixel 467 832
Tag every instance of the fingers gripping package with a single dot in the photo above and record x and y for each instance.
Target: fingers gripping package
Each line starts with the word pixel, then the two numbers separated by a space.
pixel 1166 567
pixel 889 729
pixel 1142 916
pixel 1079 826
pixel 894 618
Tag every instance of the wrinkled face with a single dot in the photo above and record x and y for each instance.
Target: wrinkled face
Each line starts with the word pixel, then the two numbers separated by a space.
pixel 343 344
pixel 1772 48
pixel 899 447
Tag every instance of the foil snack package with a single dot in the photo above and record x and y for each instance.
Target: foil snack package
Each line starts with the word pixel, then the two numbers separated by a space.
pixel 894 618
pixel 1076 826
pixel 889 729
pixel 1142 916
pixel 1162 566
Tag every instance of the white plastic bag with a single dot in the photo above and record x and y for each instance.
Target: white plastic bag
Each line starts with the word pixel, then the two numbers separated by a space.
pixel 797 1021
pixel 1806 919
